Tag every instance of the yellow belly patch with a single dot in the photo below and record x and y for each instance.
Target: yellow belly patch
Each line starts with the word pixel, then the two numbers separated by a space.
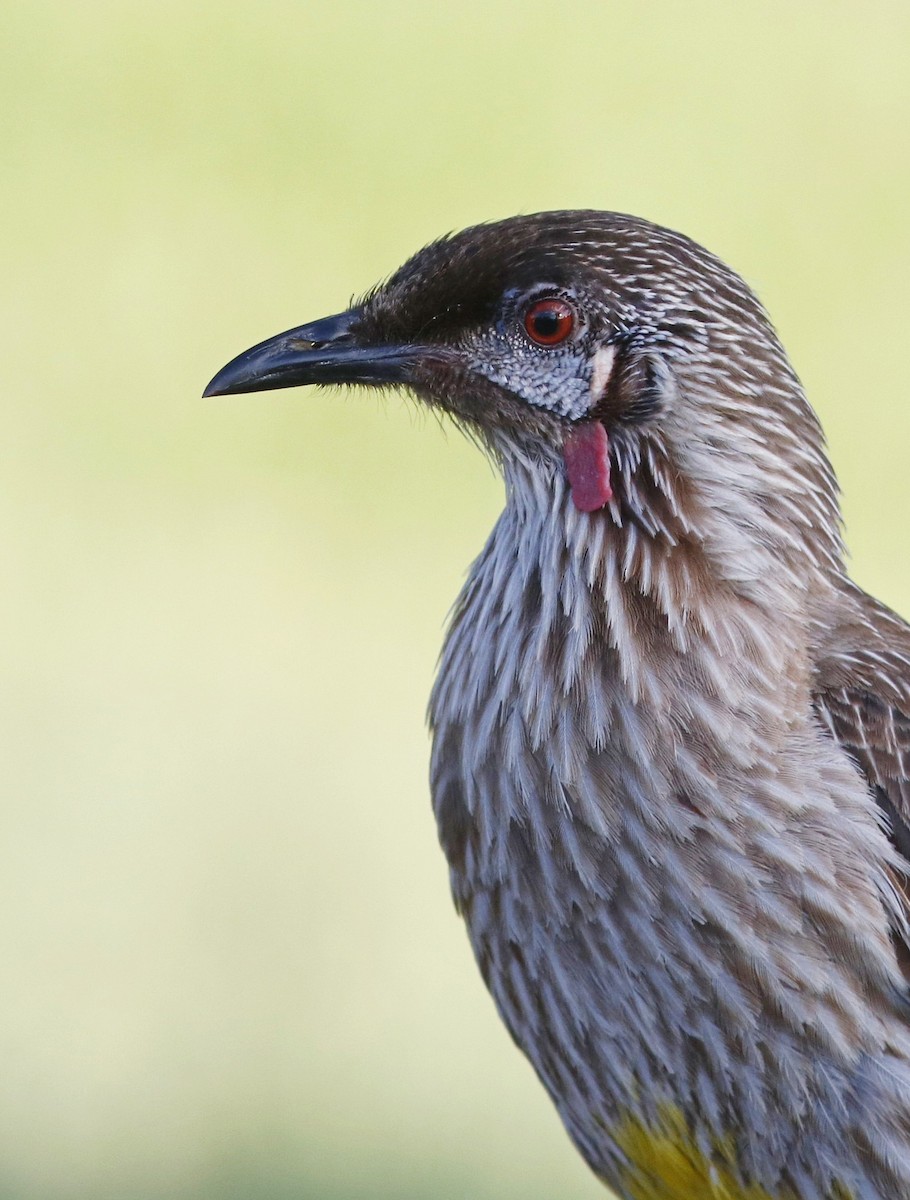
pixel 666 1164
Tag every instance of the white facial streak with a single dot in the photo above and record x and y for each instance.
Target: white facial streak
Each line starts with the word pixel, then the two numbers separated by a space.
pixel 601 370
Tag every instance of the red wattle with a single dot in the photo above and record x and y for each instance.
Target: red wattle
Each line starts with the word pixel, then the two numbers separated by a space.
pixel 587 456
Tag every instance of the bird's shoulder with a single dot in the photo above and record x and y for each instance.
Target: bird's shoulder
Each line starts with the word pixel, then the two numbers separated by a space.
pixel 861 696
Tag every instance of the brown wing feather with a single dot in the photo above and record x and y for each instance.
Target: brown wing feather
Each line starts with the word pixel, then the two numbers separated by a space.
pixel 876 735
pixel 862 696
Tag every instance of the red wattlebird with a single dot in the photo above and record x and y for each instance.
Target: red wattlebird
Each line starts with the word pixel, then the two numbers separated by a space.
pixel 671 738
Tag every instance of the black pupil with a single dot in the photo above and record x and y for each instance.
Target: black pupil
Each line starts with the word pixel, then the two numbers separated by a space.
pixel 547 322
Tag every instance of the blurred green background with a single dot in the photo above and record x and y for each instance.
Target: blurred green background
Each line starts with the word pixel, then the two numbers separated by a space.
pixel 230 965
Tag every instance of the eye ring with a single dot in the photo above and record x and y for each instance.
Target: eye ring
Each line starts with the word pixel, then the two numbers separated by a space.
pixel 549 322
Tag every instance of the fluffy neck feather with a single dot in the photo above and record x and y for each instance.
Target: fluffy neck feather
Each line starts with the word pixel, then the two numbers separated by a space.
pixel 625 772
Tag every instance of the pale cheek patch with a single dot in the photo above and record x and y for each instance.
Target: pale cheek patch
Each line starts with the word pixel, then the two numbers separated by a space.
pixel 601 370
pixel 558 381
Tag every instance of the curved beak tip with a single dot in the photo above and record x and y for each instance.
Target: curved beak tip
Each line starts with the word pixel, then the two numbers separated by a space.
pixel 212 388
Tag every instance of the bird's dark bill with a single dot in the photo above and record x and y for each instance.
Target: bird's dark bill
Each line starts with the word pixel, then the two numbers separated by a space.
pixel 325 351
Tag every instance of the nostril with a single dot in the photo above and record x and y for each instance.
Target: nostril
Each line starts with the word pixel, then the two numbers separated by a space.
pixel 305 344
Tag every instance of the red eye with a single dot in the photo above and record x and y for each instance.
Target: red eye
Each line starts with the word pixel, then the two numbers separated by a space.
pixel 549 322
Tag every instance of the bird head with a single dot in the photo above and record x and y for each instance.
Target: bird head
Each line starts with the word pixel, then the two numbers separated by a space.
pixel 607 361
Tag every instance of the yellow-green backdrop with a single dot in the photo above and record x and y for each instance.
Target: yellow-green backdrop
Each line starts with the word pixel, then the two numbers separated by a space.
pixel 229 965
